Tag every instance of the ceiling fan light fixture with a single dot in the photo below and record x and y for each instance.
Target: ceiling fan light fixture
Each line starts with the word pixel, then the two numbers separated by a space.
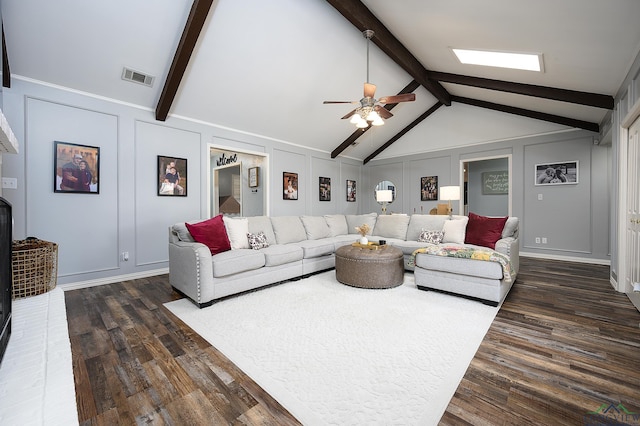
pixel 355 118
pixel 377 122
pixel 362 124
pixel 372 116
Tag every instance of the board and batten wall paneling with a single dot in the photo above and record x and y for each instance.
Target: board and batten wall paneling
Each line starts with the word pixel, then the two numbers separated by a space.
pixel 154 214
pixel 563 214
pixel 85 226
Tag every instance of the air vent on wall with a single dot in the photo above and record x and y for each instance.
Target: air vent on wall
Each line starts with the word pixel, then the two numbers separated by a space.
pixel 137 77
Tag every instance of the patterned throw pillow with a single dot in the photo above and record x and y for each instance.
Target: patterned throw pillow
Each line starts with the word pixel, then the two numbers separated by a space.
pixel 431 237
pixel 257 241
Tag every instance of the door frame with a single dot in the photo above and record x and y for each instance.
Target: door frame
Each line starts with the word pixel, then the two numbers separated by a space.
pixel 264 173
pixel 491 157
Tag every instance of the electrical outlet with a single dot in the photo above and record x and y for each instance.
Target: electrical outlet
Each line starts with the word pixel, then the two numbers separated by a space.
pixel 9 183
pixel 539 197
pixel 537 240
pixel 544 240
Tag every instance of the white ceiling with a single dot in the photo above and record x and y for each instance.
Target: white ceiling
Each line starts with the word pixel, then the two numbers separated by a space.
pixel 264 67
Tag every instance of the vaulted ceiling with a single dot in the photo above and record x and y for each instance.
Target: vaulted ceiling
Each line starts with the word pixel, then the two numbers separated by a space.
pixel 264 68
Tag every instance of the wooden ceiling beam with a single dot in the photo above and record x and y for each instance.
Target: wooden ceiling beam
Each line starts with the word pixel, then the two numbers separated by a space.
pixel 594 127
pixel 6 71
pixel 564 95
pixel 402 132
pixel 362 18
pixel 409 88
pixel 195 23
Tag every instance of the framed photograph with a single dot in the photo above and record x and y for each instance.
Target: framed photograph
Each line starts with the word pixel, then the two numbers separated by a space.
pixel 76 168
pixel 351 191
pixel 428 188
pixel 564 173
pixel 172 176
pixel 289 186
pixel 495 183
pixel 325 189
pixel 253 177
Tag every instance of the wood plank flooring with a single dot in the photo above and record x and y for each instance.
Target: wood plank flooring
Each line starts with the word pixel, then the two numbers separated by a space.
pixel 563 345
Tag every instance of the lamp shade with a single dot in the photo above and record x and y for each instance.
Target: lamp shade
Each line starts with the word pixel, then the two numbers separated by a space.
pixel 384 195
pixel 449 192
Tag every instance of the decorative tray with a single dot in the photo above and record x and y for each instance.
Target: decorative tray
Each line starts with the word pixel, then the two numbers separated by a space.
pixel 370 246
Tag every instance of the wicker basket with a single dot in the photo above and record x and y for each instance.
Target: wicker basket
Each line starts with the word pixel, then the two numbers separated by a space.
pixel 35 267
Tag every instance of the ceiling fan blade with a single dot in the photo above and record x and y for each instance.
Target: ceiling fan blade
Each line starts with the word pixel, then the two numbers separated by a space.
pixel 341 102
pixel 369 90
pixel 382 112
pixel 407 97
pixel 349 115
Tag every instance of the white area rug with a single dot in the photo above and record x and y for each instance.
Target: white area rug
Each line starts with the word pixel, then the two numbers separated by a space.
pixel 334 354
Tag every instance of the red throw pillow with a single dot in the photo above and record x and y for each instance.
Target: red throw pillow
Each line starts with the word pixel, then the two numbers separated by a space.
pixel 211 233
pixel 484 231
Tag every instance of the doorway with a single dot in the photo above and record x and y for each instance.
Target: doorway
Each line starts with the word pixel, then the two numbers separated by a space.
pixel 487 186
pixel 237 182
pixel 226 181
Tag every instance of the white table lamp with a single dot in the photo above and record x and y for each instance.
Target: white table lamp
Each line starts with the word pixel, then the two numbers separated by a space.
pixel 384 196
pixel 450 193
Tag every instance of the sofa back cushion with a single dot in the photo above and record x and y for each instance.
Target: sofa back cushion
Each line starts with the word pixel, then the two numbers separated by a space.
pixel 262 224
pixel 392 226
pixel 484 231
pixel 424 222
pixel 315 226
pixel 180 229
pixel 510 228
pixel 288 229
pixel 337 224
pixel 354 220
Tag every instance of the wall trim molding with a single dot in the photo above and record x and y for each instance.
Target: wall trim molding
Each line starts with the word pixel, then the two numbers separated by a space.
pixel 114 279
pixel 566 258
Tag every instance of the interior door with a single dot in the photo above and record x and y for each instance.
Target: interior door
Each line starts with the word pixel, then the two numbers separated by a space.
pixel 633 208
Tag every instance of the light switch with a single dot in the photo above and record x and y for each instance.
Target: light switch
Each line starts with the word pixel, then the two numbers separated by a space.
pixel 539 197
pixel 9 183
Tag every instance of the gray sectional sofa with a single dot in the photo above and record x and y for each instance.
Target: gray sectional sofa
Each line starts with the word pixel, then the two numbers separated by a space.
pixel 302 245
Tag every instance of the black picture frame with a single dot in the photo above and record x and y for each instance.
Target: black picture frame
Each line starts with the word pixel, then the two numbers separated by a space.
pixel 351 191
pixel 172 184
pixel 429 188
pixel 560 173
pixel 76 168
pixel 325 189
pixel 289 186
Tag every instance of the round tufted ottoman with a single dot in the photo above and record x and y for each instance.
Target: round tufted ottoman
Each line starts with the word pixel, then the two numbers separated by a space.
pixel 364 268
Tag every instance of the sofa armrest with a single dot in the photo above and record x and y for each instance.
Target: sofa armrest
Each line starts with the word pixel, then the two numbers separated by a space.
pixel 510 247
pixel 191 270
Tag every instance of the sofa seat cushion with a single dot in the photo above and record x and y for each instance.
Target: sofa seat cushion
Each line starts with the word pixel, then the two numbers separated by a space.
pixel 455 265
pixel 317 248
pixel 235 261
pixel 281 254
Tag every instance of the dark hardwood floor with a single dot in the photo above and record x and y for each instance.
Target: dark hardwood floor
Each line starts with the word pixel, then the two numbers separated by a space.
pixel 563 346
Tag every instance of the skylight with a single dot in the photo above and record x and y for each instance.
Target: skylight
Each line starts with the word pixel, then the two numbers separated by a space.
pixel 513 60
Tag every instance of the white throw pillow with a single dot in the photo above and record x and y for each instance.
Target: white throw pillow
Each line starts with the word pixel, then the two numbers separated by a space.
pixel 455 230
pixel 237 229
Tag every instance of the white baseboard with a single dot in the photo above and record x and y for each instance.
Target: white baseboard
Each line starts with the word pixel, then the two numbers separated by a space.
pixel 114 279
pixel 566 258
